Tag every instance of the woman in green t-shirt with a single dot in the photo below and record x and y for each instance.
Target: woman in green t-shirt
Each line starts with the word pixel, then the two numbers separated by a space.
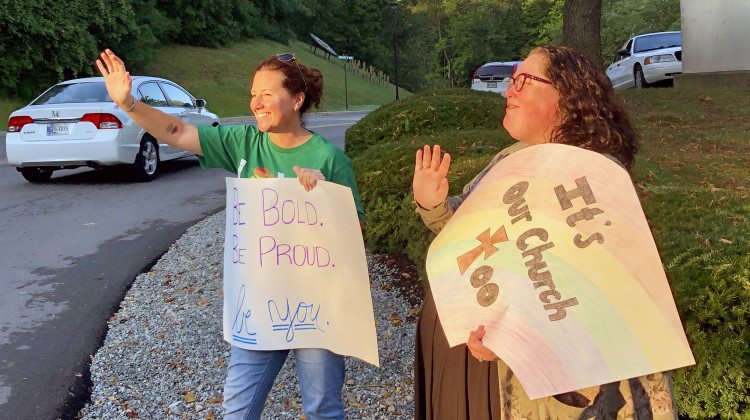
pixel 280 146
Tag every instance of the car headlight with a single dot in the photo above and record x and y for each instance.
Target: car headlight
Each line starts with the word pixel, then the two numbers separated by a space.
pixel 663 58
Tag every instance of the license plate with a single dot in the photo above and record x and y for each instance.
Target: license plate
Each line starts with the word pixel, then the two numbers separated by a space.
pixel 491 85
pixel 58 129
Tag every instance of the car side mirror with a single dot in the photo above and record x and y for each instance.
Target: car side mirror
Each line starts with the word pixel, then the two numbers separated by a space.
pixel 200 103
pixel 623 53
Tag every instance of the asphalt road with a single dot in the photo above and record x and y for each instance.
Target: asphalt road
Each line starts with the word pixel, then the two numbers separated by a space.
pixel 70 248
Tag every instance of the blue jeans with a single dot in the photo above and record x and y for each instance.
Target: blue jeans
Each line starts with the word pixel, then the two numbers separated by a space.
pixel 251 374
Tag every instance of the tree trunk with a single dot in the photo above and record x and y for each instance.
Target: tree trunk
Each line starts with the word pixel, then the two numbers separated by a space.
pixel 582 28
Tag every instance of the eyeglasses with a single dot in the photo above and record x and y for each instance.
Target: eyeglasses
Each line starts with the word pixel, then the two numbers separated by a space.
pixel 519 81
pixel 290 57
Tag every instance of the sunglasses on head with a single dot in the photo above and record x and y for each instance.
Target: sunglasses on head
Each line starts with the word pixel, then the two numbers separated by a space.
pixel 287 57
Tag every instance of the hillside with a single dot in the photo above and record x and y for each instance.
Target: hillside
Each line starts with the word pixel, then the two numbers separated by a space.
pixel 222 76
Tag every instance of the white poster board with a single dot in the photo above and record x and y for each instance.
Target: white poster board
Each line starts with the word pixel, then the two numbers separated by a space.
pixel 295 271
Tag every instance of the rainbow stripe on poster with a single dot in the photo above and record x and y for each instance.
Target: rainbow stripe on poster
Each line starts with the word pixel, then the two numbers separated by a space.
pixel 553 254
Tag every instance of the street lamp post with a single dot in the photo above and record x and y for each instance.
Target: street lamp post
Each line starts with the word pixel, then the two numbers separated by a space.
pixel 450 62
pixel 395 53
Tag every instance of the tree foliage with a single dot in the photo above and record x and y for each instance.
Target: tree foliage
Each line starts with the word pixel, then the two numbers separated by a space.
pixel 491 22
pixel 479 31
pixel 359 28
pixel 623 19
pixel 45 41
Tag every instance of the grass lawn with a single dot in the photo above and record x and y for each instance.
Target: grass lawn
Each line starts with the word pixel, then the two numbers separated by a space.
pixel 223 76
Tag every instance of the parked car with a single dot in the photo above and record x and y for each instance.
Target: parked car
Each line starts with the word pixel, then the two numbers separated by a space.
pixel 494 76
pixel 647 59
pixel 75 123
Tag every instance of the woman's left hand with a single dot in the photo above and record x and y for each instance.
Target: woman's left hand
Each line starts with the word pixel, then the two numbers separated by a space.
pixel 308 177
pixel 477 349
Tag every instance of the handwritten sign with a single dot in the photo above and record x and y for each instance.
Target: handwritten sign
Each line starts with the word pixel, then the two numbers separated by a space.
pixel 553 254
pixel 295 272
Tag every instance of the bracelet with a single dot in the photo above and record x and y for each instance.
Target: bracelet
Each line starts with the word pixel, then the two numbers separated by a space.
pixel 131 106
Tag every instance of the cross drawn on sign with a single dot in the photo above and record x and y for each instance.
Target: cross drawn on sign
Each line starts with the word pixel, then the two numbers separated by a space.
pixel 480 278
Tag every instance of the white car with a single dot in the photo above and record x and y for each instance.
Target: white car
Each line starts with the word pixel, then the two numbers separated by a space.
pixel 494 77
pixel 647 59
pixel 75 123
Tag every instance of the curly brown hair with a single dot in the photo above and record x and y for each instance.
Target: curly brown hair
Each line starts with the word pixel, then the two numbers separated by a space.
pixel 591 115
pixel 298 78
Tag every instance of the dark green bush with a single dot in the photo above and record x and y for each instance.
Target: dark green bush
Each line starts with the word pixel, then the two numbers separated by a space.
pixel 440 111
pixel 384 175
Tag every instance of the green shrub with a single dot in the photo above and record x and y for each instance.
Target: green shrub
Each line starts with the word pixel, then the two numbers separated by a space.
pixel 439 111
pixel 384 176
pixel 716 323
pixel 692 176
pixel 704 247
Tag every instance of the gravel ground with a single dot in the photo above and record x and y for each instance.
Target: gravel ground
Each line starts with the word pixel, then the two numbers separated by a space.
pixel 164 356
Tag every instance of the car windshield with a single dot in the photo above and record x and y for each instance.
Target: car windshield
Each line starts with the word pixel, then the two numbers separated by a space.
pixel 74 93
pixel 657 42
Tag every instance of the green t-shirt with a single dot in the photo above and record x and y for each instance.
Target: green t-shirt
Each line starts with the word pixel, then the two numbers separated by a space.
pixel 225 146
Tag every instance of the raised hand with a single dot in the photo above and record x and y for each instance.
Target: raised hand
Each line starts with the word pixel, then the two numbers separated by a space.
pixel 430 184
pixel 116 77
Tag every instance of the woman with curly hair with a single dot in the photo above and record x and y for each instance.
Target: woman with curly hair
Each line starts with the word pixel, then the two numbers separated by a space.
pixel 555 96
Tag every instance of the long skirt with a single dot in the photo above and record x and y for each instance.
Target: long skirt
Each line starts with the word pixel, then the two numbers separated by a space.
pixel 449 383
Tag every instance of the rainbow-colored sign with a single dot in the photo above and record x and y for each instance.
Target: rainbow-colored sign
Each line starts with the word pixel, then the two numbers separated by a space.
pixel 553 254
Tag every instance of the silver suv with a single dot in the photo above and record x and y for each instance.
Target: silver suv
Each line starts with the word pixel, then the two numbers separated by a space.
pixel 494 76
